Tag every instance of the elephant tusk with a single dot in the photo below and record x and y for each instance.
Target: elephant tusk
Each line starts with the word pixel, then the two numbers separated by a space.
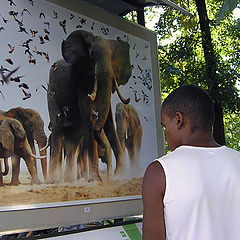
pixel 38 157
pixel 92 96
pixel 125 101
pixel 45 147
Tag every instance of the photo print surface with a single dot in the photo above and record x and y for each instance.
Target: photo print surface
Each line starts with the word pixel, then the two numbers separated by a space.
pixel 77 118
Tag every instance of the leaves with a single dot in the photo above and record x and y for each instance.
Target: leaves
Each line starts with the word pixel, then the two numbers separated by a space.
pixel 228 6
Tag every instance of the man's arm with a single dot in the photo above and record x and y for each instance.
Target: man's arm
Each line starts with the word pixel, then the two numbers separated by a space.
pixel 154 184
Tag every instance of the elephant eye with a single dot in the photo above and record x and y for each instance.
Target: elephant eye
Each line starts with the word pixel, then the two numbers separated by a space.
pixel 92 53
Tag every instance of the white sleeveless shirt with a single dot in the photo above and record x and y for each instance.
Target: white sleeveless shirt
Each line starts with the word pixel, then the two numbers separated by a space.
pixel 202 197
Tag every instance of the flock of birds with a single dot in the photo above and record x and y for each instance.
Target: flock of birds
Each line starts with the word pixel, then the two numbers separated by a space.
pixel 142 76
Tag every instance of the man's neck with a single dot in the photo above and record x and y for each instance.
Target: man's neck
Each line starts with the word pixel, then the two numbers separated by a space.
pixel 200 139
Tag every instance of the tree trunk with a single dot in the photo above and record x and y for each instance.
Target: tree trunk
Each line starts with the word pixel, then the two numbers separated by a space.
pixel 211 67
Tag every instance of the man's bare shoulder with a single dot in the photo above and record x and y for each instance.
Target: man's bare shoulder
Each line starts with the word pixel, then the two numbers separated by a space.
pixel 154 178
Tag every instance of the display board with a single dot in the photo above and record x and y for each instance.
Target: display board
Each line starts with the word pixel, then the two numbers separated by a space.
pixel 80 87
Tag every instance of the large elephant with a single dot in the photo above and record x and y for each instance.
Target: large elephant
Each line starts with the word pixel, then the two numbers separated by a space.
pixel 129 130
pixel 14 142
pixel 34 128
pixel 79 100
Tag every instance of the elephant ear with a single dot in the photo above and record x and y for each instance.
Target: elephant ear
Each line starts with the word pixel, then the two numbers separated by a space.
pixel 120 61
pixel 6 136
pixel 17 129
pixel 75 47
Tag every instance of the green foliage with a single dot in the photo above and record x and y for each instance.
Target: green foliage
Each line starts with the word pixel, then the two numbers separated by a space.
pixel 228 7
pixel 232 130
pixel 182 61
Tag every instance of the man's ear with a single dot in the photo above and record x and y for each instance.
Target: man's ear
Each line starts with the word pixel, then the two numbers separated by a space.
pixel 179 120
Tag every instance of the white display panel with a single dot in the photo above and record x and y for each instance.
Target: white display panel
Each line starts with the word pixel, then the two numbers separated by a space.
pixel 31 36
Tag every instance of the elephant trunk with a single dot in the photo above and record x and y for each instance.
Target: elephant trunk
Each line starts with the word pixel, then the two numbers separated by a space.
pixel 93 95
pixel 121 128
pixel 103 98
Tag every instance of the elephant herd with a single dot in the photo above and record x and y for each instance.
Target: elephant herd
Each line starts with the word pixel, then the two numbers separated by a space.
pixel 81 120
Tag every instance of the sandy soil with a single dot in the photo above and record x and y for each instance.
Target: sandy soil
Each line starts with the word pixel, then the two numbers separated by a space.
pixel 25 193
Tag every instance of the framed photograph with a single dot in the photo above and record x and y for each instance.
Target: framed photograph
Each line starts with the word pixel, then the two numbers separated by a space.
pixel 79 114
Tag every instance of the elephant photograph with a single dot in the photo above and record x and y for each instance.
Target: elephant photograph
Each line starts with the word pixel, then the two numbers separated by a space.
pixel 129 130
pixel 77 106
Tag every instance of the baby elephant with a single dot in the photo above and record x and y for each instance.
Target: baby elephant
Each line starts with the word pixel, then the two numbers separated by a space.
pixel 129 131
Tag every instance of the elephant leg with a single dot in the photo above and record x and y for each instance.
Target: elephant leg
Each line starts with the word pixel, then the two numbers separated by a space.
pixel 1 176
pixel 15 170
pixel 107 155
pixel 56 156
pixel 72 152
pixel 115 144
pixel 82 164
pixel 32 169
pixel 93 161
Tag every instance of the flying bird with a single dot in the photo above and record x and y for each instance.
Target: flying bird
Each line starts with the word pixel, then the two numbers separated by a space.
pixel 63 25
pixel 27 95
pixel 27 51
pixel 55 15
pixel 82 20
pixel 46 31
pixel 140 69
pixel 11 2
pixel 31 2
pixel 71 16
pixel 16 79
pixel 20 23
pixel 55 67
pixel 46 37
pixel 48 24
pixel 8 60
pixel 41 40
pixel 135 96
pixel 25 10
pixel 42 15
pixel 46 56
pixel 22 29
pixel 31 60
pixel 1 28
pixel 6 79
pixel 11 48
pixel 12 13
pixel 23 85
pixel 4 20
pixel 105 31
pixel 92 27
pixel 33 32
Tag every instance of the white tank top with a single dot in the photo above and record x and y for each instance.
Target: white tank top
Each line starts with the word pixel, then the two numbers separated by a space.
pixel 202 197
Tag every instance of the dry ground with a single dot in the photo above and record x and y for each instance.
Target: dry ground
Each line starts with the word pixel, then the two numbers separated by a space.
pixel 25 193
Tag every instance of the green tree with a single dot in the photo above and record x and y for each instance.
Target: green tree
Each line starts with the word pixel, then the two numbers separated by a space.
pixel 203 54
pixel 232 130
